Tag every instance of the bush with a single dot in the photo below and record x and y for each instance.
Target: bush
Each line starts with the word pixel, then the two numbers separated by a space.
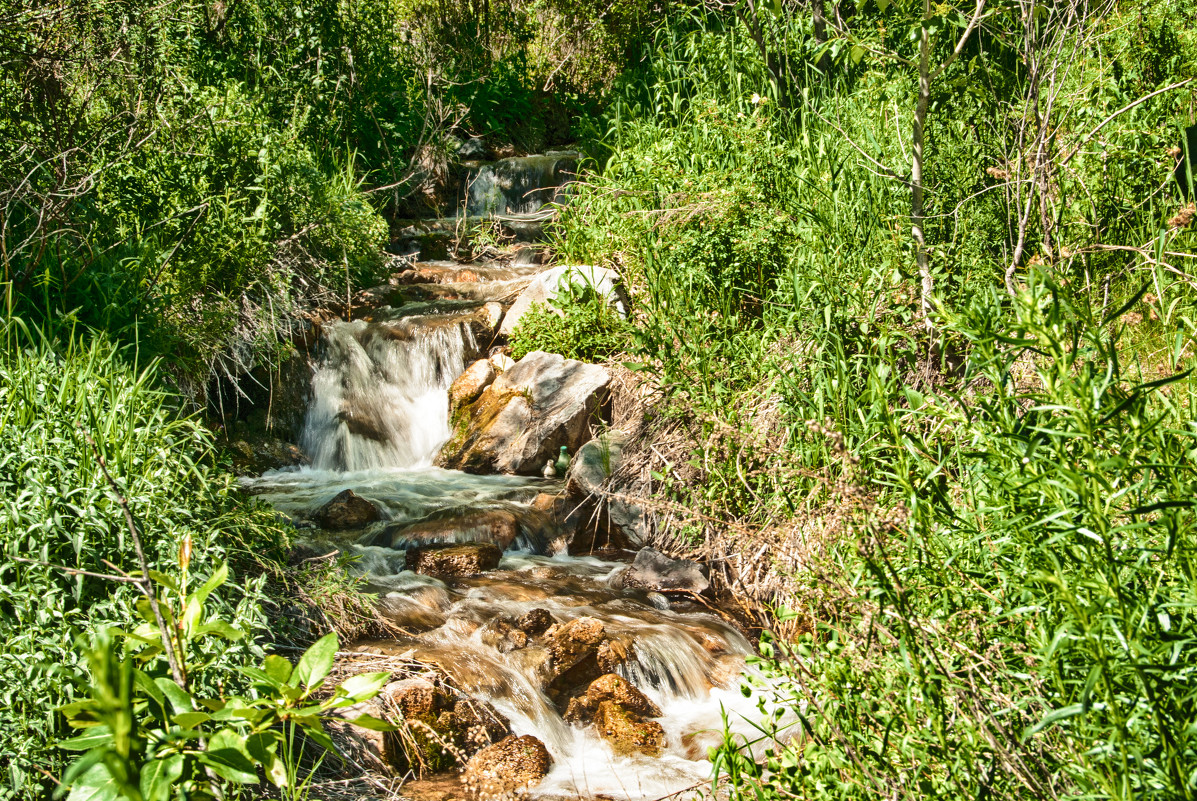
pixel 580 324
pixel 59 515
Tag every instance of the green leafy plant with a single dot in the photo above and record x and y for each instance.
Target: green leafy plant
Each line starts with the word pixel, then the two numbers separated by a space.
pixel 580 323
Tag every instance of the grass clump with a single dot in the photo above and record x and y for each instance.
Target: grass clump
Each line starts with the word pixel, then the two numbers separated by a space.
pixel 59 516
pixel 579 324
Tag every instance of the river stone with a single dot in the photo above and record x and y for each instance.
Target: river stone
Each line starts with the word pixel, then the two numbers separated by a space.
pixel 627 732
pixel 535 621
pixel 496 526
pixel 524 417
pixel 502 362
pixel 477 724
pixel 417 699
pixel 653 570
pixel 572 642
pixel 502 636
pixel 546 287
pixel 594 462
pixel 466 559
pixel 510 765
pixel 610 687
pixel 347 510
pixel 469 385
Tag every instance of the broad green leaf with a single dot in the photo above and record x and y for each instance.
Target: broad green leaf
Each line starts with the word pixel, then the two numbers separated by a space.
pixel 221 629
pixel 278 668
pixel 93 737
pixel 316 662
pixel 373 723
pixel 180 701
pixel 159 775
pixel 95 785
pixel 364 686
pixel 189 720
pixel 229 757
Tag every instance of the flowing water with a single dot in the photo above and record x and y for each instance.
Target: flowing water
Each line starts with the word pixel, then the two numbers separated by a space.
pixel 378 414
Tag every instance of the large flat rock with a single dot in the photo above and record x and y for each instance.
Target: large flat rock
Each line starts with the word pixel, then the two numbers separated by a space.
pixel 526 415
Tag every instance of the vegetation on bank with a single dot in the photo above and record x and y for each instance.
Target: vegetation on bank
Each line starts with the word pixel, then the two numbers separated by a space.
pixel 945 396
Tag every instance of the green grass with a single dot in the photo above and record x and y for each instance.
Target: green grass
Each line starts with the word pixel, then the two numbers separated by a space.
pixel 57 510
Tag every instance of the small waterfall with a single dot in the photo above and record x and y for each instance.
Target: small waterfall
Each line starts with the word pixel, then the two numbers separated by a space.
pixel 522 185
pixel 379 395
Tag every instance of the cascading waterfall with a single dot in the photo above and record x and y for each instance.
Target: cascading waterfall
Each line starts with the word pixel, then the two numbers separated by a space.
pixel 377 416
pixel 521 185
pixel 379 394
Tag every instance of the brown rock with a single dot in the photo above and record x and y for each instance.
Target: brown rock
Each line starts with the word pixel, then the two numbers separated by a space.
pixel 496 526
pixel 627 732
pixel 478 725
pixel 417 699
pixel 496 433
pixel 469 385
pixel 610 655
pixel 613 687
pixel 347 510
pixel 574 641
pixel 509 765
pixel 454 560
pixel 503 637
pixel 535 621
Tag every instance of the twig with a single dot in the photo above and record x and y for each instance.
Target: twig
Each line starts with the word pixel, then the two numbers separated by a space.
pixel 144 583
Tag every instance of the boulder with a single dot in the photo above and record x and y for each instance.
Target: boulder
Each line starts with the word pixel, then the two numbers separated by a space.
pixel 476 724
pixel 524 417
pixel 466 559
pixel 615 688
pixel 254 457
pixel 347 510
pixel 508 766
pixel 416 699
pixel 593 463
pixel 653 570
pixel 502 362
pixel 469 385
pixel 546 287
pixel 497 526
pixel 535 621
pixel 627 732
pixel 572 642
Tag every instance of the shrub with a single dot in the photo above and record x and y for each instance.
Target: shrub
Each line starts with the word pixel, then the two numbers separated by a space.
pixel 580 324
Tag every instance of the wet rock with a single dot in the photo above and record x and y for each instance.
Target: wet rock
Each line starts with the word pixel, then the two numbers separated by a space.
pixel 496 526
pixel 546 287
pixel 347 510
pixel 469 385
pixel 653 570
pixel 466 559
pixel 503 637
pixel 572 642
pixel 416 699
pixel 256 456
pixel 509 765
pixel 615 688
pixel 526 415
pixel 627 732
pixel 535 622
pixel 610 655
pixel 476 724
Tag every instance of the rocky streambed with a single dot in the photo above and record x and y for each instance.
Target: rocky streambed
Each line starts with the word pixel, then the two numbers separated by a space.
pixel 543 647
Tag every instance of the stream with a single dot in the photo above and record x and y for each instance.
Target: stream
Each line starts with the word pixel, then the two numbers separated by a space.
pixel 377 417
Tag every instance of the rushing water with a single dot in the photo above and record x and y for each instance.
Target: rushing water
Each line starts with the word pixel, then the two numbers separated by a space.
pixel 377 417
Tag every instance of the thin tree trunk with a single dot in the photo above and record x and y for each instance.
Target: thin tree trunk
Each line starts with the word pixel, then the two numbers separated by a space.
pixel 819 15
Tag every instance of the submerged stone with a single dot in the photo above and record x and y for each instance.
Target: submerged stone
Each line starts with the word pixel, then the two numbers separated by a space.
pixel 496 526
pixel 466 559
pixel 347 510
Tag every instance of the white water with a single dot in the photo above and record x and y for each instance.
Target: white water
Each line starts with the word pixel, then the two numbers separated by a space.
pixel 379 394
